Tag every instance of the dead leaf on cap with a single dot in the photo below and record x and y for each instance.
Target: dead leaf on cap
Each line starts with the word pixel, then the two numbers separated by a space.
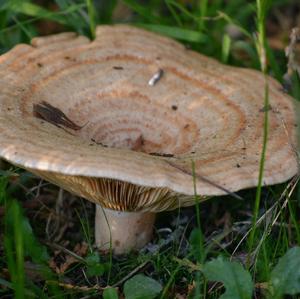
pixel 54 116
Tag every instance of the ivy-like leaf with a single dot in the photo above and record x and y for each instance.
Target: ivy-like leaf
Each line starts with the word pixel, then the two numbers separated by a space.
pixel 236 279
pixel 285 277
pixel 94 267
pixel 141 287
pixel 110 293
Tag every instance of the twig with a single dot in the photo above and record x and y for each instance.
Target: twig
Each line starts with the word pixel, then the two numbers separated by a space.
pixel 75 287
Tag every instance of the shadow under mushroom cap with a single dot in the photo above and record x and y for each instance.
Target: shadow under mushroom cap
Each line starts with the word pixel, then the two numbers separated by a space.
pixel 148 135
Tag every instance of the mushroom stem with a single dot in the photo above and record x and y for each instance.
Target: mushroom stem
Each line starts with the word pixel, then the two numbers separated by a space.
pixel 125 230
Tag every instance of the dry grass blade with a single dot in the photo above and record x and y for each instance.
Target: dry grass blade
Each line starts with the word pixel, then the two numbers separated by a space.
pixel 206 180
pixel 291 52
pixel 269 214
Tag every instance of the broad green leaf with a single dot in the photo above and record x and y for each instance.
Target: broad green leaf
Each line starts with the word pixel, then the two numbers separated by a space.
pixel 285 277
pixel 94 267
pixel 237 281
pixel 110 293
pixel 176 32
pixel 95 270
pixel 141 287
pixel 92 258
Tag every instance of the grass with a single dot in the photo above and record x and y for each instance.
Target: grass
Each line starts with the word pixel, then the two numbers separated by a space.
pixel 248 241
pixel 261 50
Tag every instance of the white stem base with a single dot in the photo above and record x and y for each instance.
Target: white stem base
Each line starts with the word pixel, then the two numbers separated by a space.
pixel 125 230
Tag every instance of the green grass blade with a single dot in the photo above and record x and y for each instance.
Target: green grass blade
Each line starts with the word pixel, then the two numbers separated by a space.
pixel 14 249
pixel 226 44
pixel 92 15
pixel 296 85
pixel 34 10
pixel 176 32
pixel 203 12
pixel 261 169
pixel 230 20
pixel 184 11
pixel 294 221
pixel 143 11
pixel 174 14
pixel 23 28
pixel 261 49
pixel 278 73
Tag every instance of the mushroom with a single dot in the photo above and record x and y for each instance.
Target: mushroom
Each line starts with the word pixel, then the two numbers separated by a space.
pixel 120 120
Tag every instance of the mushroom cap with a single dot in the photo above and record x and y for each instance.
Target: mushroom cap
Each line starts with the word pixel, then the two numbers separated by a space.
pixel 131 131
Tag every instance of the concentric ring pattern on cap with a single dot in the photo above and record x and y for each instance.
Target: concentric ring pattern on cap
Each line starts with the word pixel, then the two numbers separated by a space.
pixel 199 110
